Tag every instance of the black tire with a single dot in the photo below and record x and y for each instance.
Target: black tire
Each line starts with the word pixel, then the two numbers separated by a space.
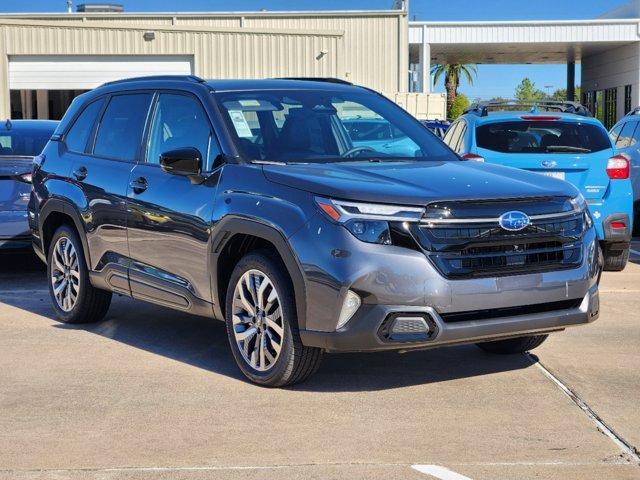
pixel 615 260
pixel 296 362
pixel 636 219
pixel 91 304
pixel 512 346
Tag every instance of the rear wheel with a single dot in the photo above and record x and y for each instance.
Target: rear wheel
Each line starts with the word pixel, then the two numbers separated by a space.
pixel 513 345
pixel 74 299
pixel 262 324
pixel 615 257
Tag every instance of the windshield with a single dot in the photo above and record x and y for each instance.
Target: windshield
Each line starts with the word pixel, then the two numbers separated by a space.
pixel 311 126
pixel 23 142
pixel 542 137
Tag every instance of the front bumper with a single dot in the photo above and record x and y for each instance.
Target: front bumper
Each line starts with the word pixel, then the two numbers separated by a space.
pixel 392 280
pixel 362 333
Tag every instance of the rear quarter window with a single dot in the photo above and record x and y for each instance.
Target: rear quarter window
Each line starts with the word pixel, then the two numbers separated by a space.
pixel 542 137
pixel 77 137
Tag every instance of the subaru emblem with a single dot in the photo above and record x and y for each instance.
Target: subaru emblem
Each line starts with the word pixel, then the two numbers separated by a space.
pixel 549 163
pixel 514 221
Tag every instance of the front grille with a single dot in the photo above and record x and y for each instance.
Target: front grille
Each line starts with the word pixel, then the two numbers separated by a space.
pixel 467 249
pixel 494 313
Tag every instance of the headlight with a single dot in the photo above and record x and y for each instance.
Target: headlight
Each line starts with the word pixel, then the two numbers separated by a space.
pixel 580 205
pixel 369 222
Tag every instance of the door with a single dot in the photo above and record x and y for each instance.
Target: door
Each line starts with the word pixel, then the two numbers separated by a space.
pixel 169 215
pixel 102 172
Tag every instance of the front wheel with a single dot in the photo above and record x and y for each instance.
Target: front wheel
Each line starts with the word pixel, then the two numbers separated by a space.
pixel 512 346
pixel 262 323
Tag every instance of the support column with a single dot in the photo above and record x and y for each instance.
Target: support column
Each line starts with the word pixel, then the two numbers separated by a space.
pixel 42 99
pixel 425 62
pixel 571 81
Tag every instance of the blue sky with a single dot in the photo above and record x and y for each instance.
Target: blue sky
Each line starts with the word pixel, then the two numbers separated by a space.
pixel 492 80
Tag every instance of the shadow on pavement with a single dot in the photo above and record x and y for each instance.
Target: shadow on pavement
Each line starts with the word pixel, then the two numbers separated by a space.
pixel 202 342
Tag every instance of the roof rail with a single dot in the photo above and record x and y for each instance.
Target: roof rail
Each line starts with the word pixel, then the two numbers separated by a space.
pixel 565 106
pixel 635 111
pixel 186 78
pixel 318 79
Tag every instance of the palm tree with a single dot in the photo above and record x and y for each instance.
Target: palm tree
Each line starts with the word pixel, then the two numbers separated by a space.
pixel 452 73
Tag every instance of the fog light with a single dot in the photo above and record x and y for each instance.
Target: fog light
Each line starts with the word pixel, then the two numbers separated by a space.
pixel 409 326
pixel 349 307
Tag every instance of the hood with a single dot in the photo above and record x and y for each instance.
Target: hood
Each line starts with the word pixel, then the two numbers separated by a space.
pixel 416 183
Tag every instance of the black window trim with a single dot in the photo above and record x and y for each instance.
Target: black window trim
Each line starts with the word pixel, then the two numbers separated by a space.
pixel 142 160
pixel 81 110
pixel 96 127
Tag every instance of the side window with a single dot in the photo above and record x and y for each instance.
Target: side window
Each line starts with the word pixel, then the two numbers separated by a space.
pixel 179 121
pixel 462 134
pixel 625 138
pixel 77 137
pixel 615 133
pixel 121 126
pixel 453 135
pixel 635 139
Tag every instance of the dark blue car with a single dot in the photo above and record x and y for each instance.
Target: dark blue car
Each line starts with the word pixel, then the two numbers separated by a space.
pixel 20 141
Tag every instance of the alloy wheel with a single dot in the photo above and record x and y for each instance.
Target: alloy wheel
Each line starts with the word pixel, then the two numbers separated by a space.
pixel 65 274
pixel 258 325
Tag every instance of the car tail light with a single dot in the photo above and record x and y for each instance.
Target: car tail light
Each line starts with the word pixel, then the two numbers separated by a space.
pixel 618 167
pixel 539 118
pixel 618 225
pixel 472 156
pixel 24 177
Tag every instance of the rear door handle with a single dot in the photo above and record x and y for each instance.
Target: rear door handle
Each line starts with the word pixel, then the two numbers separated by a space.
pixel 139 185
pixel 80 173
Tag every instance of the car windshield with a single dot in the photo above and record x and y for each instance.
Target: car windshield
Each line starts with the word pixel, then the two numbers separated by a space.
pixel 23 142
pixel 533 136
pixel 312 126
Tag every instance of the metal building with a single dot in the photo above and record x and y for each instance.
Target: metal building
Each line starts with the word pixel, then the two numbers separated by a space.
pixel 46 59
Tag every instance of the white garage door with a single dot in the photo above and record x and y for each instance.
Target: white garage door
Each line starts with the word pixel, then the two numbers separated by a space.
pixel 79 72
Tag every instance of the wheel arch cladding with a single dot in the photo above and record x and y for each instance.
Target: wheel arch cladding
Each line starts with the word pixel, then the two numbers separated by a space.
pixel 55 213
pixel 238 236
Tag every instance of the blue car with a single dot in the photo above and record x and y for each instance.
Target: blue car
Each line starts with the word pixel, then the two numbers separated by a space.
pixel 437 127
pixel 380 136
pixel 20 141
pixel 559 140
pixel 626 137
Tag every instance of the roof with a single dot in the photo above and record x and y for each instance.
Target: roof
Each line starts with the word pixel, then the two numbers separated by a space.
pixel 29 124
pixel 517 114
pixel 279 84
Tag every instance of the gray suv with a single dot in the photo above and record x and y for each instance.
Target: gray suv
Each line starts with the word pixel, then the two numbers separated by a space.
pixel 248 201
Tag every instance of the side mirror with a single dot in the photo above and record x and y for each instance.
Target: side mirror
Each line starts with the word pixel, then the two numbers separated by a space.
pixel 182 161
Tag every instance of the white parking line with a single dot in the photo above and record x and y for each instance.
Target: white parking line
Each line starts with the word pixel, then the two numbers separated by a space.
pixel 439 472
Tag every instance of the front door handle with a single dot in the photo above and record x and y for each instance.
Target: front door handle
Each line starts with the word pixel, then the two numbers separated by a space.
pixel 139 185
pixel 80 173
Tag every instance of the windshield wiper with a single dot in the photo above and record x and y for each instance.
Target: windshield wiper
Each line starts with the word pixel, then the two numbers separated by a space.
pixel 567 148
pixel 267 162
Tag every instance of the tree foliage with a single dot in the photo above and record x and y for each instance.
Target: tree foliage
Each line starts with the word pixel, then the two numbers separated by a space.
pixel 526 91
pixel 460 104
pixel 452 74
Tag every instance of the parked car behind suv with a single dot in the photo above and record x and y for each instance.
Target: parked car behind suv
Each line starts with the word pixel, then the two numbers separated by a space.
pixel 561 140
pixel 248 201
pixel 625 135
pixel 20 141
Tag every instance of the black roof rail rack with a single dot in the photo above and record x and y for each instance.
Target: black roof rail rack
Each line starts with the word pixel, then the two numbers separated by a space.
pixel 318 79
pixel 187 78
pixel 565 106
